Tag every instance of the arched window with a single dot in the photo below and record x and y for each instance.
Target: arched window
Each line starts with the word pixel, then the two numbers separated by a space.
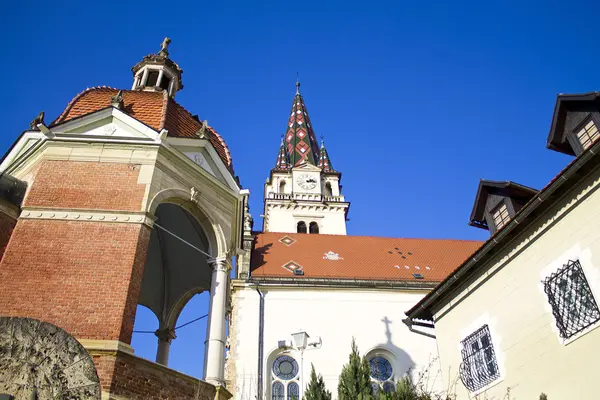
pixel 284 376
pixel 382 374
pixel 314 227
pixel 282 187
pixel 301 227
pixel 328 191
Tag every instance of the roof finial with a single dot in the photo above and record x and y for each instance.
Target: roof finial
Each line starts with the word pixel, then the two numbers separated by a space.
pixel 282 136
pixel 297 83
pixel 164 47
pixel 322 141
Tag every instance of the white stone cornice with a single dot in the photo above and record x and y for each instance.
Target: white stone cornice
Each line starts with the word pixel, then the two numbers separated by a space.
pixel 110 345
pixel 86 215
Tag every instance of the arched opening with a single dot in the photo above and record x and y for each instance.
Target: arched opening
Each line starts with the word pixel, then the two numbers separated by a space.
pixel 328 190
pixel 282 187
pixel 314 227
pixel 301 227
pixel 283 377
pixel 175 272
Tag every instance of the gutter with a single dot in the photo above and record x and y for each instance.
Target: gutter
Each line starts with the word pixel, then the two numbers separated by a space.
pixel 409 322
pixel 344 283
pixel 261 332
pixel 423 307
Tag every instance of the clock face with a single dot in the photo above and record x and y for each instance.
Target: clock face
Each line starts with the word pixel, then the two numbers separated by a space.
pixel 307 182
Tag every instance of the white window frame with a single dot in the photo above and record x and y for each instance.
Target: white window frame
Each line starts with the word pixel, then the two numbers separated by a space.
pixel 274 378
pixel 590 132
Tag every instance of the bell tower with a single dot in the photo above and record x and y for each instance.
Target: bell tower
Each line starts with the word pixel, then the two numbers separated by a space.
pixel 303 191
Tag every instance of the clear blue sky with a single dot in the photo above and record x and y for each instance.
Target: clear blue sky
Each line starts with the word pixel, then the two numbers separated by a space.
pixel 417 100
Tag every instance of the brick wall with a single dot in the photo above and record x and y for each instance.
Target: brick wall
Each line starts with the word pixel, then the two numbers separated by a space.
pixel 136 378
pixel 7 224
pixel 84 277
pixel 87 185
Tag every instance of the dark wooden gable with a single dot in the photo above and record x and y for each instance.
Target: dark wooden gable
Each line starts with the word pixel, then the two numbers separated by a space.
pixel 570 113
pixel 491 195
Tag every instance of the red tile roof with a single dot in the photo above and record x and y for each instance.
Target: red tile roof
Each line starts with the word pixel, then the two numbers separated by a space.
pixel 154 109
pixel 360 257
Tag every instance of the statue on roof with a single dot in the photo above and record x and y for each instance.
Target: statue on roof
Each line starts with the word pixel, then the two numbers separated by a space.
pixel 37 120
pixel 164 47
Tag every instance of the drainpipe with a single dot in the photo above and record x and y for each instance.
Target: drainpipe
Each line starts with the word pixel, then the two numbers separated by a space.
pixel 261 329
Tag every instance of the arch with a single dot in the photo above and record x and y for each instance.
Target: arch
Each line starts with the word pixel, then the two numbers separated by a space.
pixel 282 372
pixel 328 189
pixel 314 227
pixel 282 186
pixel 203 213
pixel 386 367
pixel 47 355
pixel 301 227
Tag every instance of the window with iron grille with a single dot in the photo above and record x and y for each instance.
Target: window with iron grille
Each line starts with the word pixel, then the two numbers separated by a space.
pixel 588 135
pixel 479 366
pixel 572 301
pixel 500 215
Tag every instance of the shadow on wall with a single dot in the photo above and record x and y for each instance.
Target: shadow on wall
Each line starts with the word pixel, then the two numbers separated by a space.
pixel 401 361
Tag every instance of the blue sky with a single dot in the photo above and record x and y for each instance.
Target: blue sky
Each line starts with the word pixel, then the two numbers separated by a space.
pixel 417 100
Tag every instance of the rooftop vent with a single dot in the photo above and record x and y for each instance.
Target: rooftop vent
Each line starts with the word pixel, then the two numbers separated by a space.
pixel 298 272
pixel 418 276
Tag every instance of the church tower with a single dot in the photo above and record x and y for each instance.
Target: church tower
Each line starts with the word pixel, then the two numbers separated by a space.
pixel 303 191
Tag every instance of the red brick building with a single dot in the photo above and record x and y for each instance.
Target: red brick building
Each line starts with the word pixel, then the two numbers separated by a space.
pixel 126 198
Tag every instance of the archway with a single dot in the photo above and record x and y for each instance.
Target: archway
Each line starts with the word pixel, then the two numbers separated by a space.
pixel 45 362
pixel 177 268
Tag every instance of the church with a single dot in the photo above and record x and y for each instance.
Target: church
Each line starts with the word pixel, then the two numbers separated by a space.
pixel 302 278
pixel 127 198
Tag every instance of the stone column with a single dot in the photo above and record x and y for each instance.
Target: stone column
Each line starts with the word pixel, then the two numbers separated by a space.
pixel 164 345
pixel 215 342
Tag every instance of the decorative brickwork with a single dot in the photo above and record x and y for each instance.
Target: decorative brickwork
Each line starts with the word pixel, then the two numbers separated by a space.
pixel 86 185
pixel 82 276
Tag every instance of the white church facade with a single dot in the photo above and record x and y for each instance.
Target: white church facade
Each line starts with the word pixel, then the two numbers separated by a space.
pixel 303 277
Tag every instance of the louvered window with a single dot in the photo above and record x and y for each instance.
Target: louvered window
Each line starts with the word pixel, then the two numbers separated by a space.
pixel 500 216
pixel 588 135
pixel 479 366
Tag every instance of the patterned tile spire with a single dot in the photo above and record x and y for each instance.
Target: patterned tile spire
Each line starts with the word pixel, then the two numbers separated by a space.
pixel 282 158
pixel 300 141
pixel 324 161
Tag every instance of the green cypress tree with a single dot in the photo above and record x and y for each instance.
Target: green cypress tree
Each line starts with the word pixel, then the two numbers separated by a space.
pixel 355 379
pixel 316 387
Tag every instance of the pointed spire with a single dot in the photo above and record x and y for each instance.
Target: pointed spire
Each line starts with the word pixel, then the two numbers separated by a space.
pixel 297 84
pixel 300 142
pixel 282 158
pixel 324 161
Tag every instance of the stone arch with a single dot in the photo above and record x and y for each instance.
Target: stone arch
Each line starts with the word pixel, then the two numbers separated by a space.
pixel 38 357
pixel 198 207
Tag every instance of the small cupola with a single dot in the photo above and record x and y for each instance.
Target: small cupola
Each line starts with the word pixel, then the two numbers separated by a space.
pixel 497 203
pixel 157 72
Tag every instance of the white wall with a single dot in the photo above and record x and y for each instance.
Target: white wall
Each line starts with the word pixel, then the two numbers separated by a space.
pixel 336 315
pixel 331 220
pixel 511 300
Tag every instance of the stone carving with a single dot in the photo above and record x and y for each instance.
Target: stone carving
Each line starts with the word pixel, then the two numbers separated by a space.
pixel 40 360
pixel 194 195
pixel 248 220
pixel 117 100
pixel 164 47
pixel 37 120
pixel 203 131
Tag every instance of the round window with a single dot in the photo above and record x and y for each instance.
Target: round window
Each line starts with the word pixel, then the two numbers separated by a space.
pixel 381 369
pixel 285 367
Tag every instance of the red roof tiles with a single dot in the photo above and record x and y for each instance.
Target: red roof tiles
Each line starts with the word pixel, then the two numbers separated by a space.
pixel 358 257
pixel 154 109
